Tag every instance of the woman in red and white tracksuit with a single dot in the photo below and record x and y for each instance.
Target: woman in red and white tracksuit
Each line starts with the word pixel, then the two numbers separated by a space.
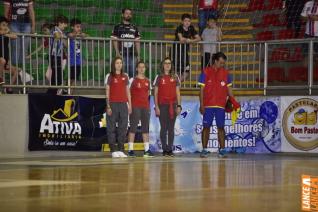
pixel 118 102
pixel 167 104
pixel 140 91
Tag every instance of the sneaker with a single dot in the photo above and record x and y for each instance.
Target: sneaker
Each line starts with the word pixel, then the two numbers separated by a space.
pixel 204 154
pixel 115 155
pixel 222 153
pixel 165 154
pixel 1 81
pixel 122 155
pixel 131 153
pixel 170 154
pixel 61 92
pixel 148 154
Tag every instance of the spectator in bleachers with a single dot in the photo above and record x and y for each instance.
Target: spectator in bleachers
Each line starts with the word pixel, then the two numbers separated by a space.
pixel 310 14
pixel 293 14
pixel 57 53
pixel 129 51
pixel 205 9
pixel 212 33
pixel 186 34
pixel 75 49
pixel 5 66
pixel 21 15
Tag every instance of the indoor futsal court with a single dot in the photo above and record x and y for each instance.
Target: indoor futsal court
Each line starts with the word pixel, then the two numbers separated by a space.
pixel 183 183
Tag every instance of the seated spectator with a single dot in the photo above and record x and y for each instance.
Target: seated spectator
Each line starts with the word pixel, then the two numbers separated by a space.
pixel 212 33
pixel 5 66
pixel 186 34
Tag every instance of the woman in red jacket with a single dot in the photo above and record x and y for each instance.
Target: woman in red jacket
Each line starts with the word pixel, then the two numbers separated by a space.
pixel 118 107
pixel 140 91
pixel 167 104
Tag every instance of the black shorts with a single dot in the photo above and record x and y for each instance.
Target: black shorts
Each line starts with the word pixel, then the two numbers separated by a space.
pixel 139 114
pixel 75 72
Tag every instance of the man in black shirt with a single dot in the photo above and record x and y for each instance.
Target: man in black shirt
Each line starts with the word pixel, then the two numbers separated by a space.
pixel 127 50
pixel 186 34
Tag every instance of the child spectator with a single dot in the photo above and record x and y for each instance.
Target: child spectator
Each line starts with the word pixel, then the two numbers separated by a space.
pixel 186 34
pixel 75 49
pixel 57 52
pixel 212 33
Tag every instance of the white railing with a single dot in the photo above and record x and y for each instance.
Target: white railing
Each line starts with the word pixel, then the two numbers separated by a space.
pixel 250 63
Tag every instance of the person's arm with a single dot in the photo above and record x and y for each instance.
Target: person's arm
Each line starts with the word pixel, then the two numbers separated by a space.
pixel 179 107
pixel 201 100
pixel 197 38
pixel 7 10
pixel 195 8
pixel 32 17
pixel 108 108
pixel 157 110
pixel 181 38
pixel 115 37
pixel 129 99
pixel 11 35
pixel 304 14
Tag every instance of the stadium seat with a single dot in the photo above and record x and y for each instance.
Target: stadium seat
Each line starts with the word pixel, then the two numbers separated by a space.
pixel 280 54
pixel 266 35
pixel 286 34
pixel 254 5
pixel 276 74
pixel 297 74
pixel 274 4
pixel 297 55
pixel 269 19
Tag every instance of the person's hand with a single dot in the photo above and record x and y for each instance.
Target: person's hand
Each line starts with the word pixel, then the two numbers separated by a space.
pixel 157 111
pixel 129 109
pixel 178 110
pixel 202 109
pixel 33 30
pixel 183 40
pixel 109 111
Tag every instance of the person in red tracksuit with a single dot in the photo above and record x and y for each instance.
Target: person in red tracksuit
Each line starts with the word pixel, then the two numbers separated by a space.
pixel 167 104
pixel 118 103
pixel 140 90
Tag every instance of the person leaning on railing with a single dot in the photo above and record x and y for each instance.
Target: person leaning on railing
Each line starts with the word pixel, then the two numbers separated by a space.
pixel 5 66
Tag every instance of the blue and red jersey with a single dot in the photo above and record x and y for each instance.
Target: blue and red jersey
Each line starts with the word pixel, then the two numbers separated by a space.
pixel 215 84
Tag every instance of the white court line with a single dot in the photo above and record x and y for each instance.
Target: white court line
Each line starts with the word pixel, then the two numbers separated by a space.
pixel 23 183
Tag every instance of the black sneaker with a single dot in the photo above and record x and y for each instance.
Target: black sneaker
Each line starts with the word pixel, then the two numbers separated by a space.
pixel 131 153
pixel 165 154
pixel 148 154
pixel 170 154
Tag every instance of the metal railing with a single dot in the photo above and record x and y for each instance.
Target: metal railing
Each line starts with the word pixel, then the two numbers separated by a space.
pixel 249 62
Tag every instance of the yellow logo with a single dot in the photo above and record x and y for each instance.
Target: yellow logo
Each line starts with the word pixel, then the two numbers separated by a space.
pixel 300 124
pixel 66 113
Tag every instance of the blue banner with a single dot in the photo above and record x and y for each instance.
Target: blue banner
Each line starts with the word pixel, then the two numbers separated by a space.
pixel 257 129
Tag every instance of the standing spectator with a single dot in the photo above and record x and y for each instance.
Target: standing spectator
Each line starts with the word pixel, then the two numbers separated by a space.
pixel 140 91
pixel 5 66
pixel 185 34
pixel 205 9
pixel 57 52
pixel 293 14
pixel 215 83
pixel 21 15
pixel 310 14
pixel 126 50
pixel 75 49
pixel 210 34
pixel 118 103
pixel 167 104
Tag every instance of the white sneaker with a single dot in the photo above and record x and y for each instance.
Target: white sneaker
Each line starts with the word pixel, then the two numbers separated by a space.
pixel 115 155
pixel 28 77
pixel 122 155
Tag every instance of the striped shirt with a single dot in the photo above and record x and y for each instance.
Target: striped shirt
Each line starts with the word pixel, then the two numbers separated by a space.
pixel 311 8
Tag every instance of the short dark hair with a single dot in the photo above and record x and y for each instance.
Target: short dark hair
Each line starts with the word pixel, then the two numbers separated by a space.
pixel 75 21
pixel 212 18
pixel 217 56
pixel 185 15
pixel 60 19
pixel 3 19
pixel 124 10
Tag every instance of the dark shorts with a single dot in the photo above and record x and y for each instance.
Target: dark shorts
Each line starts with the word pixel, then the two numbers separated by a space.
pixel 210 113
pixel 139 114
pixel 75 72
